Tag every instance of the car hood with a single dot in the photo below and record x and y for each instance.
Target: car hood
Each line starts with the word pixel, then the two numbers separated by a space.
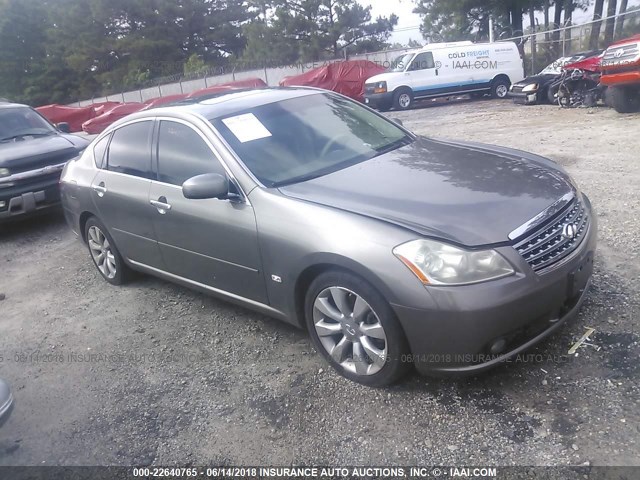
pixel 39 152
pixel 466 193
pixel 540 78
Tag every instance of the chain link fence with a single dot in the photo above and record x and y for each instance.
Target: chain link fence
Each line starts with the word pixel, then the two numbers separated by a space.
pixel 539 48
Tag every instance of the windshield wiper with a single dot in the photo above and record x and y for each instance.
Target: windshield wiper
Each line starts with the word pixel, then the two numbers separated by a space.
pixel 27 134
pixel 401 142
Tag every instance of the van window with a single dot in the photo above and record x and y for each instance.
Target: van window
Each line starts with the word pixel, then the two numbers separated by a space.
pixel 423 61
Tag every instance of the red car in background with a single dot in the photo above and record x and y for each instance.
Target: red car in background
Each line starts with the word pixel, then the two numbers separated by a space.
pixel 345 77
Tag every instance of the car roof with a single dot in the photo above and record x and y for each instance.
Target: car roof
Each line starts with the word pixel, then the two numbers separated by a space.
pixel 12 105
pixel 225 103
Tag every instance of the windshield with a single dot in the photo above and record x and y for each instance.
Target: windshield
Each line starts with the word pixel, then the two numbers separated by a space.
pixel 306 137
pixel 401 62
pixel 556 66
pixel 21 122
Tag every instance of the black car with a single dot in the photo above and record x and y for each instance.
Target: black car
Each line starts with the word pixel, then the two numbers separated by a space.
pixel 536 88
pixel 33 153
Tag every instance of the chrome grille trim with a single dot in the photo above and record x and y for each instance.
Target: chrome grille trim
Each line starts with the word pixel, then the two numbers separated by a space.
pixel 547 246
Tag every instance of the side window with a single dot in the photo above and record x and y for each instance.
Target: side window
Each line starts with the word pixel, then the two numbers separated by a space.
pixel 183 154
pixel 129 150
pixel 423 61
pixel 99 151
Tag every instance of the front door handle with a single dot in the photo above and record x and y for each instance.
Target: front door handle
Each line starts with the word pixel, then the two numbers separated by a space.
pixel 161 204
pixel 100 189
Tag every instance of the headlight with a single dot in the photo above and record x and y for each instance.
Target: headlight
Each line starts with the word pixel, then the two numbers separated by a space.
pixel 4 172
pixel 436 263
pixel 532 87
pixel 380 87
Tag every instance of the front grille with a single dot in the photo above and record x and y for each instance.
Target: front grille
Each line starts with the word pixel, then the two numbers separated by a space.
pixel 621 55
pixel 517 88
pixel 548 246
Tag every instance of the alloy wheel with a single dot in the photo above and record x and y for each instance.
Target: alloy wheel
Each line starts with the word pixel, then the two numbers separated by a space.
pixel 350 331
pixel 502 90
pixel 101 252
pixel 404 100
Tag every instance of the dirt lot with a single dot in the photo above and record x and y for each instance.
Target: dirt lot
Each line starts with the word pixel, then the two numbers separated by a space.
pixel 152 372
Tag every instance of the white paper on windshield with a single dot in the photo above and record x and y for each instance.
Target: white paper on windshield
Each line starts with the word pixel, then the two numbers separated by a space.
pixel 246 127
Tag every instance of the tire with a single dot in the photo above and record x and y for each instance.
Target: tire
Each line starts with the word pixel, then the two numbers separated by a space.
pixel 403 99
pixel 500 87
pixel 624 99
pixel 551 96
pixel 347 342
pixel 104 253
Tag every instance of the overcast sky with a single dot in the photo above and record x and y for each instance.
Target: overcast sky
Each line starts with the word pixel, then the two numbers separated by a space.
pixel 409 22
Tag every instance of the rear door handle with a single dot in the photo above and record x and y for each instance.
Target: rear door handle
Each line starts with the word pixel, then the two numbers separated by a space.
pixel 161 204
pixel 100 189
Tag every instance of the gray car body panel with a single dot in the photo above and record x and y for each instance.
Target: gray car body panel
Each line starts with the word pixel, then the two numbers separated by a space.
pixel 352 219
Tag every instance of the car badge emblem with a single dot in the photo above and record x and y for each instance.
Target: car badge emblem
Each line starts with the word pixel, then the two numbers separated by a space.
pixel 619 52
pixel 569 231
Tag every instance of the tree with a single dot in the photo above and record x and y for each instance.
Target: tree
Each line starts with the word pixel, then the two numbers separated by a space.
pixel 620 21
pixel 594 38
pixel 612 7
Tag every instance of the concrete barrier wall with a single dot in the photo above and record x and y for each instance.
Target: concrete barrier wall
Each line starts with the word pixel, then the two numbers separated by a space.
pixel 272 76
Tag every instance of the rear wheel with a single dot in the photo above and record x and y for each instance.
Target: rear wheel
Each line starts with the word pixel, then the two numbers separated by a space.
pixel 500 87
pixel 355 329
pixel 624 99
pixel 104 253
pixel 403 99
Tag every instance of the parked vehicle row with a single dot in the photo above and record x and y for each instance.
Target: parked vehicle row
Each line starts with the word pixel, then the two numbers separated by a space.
pixel 584 79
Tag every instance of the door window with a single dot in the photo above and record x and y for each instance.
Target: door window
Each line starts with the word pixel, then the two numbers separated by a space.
pixel 182 154
pixel 99 151
pixel 129 150
pixel 423 61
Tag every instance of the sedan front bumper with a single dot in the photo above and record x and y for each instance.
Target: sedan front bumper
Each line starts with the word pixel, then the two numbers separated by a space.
pixel 524 98
pixel 475 327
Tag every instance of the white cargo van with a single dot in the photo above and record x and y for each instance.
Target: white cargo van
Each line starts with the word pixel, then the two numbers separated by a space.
pixel 443 69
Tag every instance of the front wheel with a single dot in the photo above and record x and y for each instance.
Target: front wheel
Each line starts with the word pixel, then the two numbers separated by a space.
pixel 403 99
pixel 624 99
pixel 500 88
pixel 355 329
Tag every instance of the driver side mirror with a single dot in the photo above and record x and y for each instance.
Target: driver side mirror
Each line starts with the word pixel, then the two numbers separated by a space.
pixel 63 127
pixel 208 185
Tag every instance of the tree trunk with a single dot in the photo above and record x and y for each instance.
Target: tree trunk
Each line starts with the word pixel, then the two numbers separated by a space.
pixel 594 39
pixel 557 18
pixel 620 22
pixel 612 7
pixel 568 20
pixel 532 21
pixel 546 21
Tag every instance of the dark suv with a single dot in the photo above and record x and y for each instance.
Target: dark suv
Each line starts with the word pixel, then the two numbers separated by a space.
pixel 32 155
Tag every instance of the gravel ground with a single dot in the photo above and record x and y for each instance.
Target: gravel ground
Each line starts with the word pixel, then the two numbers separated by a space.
pixel 152 372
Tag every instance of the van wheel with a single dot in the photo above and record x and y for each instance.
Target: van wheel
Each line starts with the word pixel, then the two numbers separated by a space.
pixel 500 88
pixel 403 99
pixel 624 99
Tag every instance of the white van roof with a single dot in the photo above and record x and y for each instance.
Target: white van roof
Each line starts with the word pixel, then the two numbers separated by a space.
pixel 435 46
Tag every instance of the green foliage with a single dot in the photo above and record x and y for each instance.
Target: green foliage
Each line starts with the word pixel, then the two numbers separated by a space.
pixel 63 50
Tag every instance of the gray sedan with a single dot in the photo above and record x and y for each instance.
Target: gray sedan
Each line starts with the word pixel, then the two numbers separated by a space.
pixel 392 250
